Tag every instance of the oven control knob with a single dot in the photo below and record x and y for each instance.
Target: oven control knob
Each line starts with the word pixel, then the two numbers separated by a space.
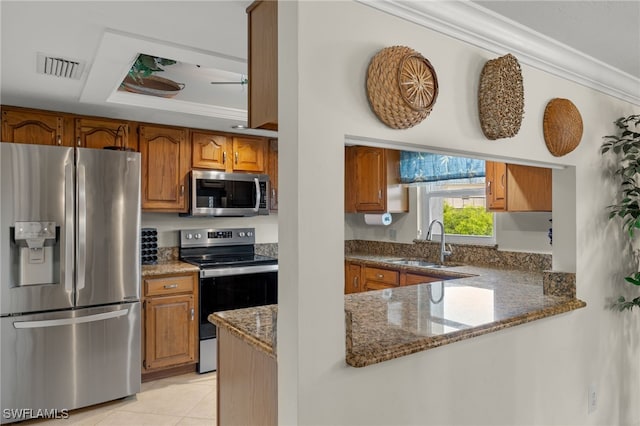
pixel 188 236
pixel 249 234
pixel 198 236
pixel 241 234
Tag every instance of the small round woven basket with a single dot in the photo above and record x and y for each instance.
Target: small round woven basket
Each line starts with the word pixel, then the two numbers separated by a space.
pixel 501 97
pixel 562 126
pixel 402 86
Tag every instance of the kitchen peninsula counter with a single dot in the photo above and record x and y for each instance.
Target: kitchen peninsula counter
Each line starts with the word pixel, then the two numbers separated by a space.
pixel 385 324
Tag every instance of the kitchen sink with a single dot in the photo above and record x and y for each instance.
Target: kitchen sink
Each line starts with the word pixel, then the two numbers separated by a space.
pixel 417 262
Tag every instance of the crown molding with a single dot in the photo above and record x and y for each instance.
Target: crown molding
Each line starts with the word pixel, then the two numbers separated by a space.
pixel 483 28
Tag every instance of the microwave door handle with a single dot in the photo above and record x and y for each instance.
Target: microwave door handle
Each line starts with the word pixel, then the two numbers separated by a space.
pixel 257 207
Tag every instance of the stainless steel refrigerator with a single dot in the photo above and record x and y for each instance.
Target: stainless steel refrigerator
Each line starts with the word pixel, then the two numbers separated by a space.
pixel 69 278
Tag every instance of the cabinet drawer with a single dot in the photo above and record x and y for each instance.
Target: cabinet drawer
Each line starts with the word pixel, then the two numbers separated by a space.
pixel 381 275
pixel 168 285
pixel 412 279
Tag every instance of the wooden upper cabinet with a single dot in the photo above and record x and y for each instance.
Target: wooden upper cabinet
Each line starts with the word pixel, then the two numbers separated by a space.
pixel 272 171
pixel 100 133
pixel 249 154
pixel 209 150
pixel 33 127
pixel 372 181
pixel 263 64
pixel 496 181
pixel 165 167
pixel 516 188
pixel 366 172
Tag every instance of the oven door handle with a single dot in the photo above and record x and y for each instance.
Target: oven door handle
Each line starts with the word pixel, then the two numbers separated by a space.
pixel 237 270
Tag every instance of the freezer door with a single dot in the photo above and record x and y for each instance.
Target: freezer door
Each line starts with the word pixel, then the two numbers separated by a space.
pixel 108 226
pixel 36 228
pixel 69 359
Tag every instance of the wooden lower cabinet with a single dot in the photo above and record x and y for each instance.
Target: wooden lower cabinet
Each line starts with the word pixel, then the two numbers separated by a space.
pixel 247 383
pixel 359 277
pixel 170 322
pixel 378 278
pixel 352 278
pixel 412 278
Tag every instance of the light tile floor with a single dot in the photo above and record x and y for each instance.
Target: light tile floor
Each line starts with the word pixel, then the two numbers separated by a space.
pixel 186 400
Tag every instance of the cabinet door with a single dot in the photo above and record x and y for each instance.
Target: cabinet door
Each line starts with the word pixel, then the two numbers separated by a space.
pixel 170 330
pixel 412 278
pixel 528 188
pixel 263 64
pixel 209 151
pixel 32 127
pixel 370 285
pixel 272 171
pixel 99 133
pixel 370 179
pixel 496 185
pixel 249 154
pixel 165 166
pixel 353 279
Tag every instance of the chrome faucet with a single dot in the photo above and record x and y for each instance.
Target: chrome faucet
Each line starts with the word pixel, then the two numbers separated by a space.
pixel 443 253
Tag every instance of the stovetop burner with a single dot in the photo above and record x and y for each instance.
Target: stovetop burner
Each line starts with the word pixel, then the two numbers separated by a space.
pixel 215 261
pixel 218 248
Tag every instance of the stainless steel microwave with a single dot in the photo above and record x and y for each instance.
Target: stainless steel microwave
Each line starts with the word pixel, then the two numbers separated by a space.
pixel 228 194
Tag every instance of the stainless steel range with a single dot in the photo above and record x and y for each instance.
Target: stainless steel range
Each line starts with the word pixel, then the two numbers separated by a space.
pixel 232 276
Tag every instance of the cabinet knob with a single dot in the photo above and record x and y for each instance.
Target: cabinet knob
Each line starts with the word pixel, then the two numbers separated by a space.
pixel 182 190
pixel 193 313
pixel 79 142
pixel 59 140
pixel 236 157
pixel 379 194
pixel 489 186
pixel 356 282
pixel 380 276
pixel 168 286
pixel 224 157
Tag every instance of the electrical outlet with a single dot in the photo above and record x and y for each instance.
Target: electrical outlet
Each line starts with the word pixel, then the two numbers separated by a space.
pixel 393 234
pixel 593 398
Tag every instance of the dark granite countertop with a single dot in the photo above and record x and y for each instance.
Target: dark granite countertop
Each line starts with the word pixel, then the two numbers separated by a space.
pixel 387 324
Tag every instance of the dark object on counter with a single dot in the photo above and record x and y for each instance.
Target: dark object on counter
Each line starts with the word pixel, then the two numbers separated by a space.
pixel 149 246
pixel 550 233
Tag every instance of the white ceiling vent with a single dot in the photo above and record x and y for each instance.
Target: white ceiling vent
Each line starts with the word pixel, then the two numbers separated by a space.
pixel 59 67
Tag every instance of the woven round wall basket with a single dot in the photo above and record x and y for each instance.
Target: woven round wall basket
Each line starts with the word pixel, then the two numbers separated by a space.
pixel 402 86
pixel 562 126
pixel 501 97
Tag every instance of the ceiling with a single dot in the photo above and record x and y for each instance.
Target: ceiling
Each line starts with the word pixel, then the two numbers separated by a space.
pixel 213 34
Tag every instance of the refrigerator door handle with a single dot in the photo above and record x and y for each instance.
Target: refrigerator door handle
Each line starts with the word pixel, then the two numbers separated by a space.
pixel 82 227
pixel 71 321
pixel 68 227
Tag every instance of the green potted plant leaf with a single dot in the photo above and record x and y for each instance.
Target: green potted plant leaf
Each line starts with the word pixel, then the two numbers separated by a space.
pixel 625 146
pixel 140 78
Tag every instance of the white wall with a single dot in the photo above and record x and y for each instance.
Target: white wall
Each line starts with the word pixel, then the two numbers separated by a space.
pixel 536 373
pixel 523 231
pixel 169 225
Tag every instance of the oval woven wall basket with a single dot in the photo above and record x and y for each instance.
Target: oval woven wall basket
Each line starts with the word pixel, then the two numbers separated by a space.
pixel 501 97
pixel 562 126
pixel 402 86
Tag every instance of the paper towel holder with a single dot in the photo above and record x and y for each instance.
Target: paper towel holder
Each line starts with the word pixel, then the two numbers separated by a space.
pixel 380 219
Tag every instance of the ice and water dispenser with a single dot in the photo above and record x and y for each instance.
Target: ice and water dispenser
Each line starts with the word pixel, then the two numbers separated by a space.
pixel 36 252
